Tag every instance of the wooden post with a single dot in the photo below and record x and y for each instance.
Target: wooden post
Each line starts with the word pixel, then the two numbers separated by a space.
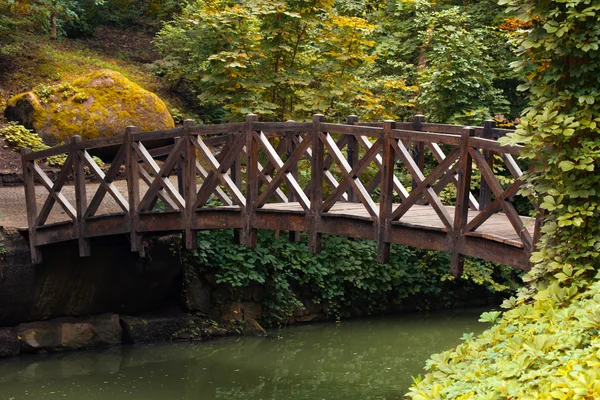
pixel 133 189
pixel 462 199
pixel 188 174
pixel 236 177
pixel 353 154
pixel 80 196
pixel 31 205
pixel 251 180
pixel 294 236
pixel 485 192
pixel 316 185
pixel 387 194
pixel 419 147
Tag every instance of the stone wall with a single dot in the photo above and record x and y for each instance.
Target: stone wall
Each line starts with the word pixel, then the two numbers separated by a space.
pixel 113 279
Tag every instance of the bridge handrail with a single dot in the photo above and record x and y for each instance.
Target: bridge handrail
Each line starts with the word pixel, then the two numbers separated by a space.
pixel 217 154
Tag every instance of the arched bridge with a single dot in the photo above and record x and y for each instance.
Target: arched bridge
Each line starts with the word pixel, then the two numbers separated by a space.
pixel 441 187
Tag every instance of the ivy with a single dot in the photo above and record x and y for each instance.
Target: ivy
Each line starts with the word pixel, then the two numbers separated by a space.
pixel 546 344
pixel 345 275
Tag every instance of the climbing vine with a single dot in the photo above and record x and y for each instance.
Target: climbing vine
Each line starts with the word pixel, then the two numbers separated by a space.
pixel 560 58
pixel 344 275
pixel 545 345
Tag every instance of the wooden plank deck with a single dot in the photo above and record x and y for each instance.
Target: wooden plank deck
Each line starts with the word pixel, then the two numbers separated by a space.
pixel 497 228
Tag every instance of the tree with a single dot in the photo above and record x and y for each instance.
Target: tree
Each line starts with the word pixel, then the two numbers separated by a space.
pixel 456 78
pixel 49 15
pixel 280 59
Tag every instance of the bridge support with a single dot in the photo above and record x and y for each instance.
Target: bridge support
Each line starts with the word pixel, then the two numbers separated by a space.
pixel 316 188
pixel 80 197
pixel 386 195
pixel 462 200
pixel 133 189
pixel 251 184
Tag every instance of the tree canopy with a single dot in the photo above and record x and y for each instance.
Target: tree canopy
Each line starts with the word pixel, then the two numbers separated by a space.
pixel 378 59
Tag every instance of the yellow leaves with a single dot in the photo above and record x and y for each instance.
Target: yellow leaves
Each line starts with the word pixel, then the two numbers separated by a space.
pixel 353 23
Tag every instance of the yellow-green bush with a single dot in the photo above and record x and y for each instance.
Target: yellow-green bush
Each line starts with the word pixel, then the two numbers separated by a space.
pixel 18 137
pixel 548 349
pixel 547 346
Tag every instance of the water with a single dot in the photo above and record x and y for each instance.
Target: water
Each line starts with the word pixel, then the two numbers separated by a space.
pixel 360 359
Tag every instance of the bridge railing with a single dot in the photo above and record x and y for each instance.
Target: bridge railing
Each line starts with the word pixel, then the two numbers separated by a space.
pixel 296 176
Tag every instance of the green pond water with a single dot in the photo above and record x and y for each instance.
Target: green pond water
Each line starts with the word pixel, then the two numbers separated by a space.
pixel 356 359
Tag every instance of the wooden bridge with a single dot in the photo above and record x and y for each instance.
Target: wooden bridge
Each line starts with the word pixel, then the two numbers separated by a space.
pixel 410 183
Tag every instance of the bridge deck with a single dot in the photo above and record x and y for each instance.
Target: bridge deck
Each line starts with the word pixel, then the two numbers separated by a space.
pixel 496 228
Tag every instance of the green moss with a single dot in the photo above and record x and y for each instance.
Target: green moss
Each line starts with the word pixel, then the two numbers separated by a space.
pixel 98 105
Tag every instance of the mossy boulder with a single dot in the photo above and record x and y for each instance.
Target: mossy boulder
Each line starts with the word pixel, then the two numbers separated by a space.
pixel 100 104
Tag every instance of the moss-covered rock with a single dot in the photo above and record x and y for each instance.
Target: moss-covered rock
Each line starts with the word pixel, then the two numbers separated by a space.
pixel 98 105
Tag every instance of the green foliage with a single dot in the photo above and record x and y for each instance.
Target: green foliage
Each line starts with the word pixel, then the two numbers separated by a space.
pixel 2 249
pixel 544 350
pixel 18 137
pixel 560 132
pixel 457 81
pixel 545 346
pixel 344 275
pixel 278 59
pixel 94 13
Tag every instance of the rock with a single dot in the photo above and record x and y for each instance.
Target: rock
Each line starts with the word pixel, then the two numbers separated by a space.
pixel 9 342
pixel 198 296
pixel 144 329
pixel 113 280
pixel 222 295
pixel 232 312
pixel 252 327
pixel 252 311
pixel 170 326
pixel 299 311
pixel 70 333
pixel 313 307
pixel 100 104
pixel 306 318
pixel 258 293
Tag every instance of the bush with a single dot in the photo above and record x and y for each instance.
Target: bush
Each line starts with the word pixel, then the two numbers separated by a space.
pixel 345 275
pixel 546 345
pixel 18 137
pixel 544 350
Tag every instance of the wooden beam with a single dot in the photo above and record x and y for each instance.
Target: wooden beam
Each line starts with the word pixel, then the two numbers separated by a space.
pixel 462 199
pixel 133 189
pixel 188 174
pixel 353 155
pixel 251 180
pixel 386 196
pixel 316 185
pixel 80 196
pixel 30 205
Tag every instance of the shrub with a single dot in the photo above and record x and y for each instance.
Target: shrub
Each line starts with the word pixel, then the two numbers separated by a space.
pixel 18 137
pixel 344 275
pixel 546 345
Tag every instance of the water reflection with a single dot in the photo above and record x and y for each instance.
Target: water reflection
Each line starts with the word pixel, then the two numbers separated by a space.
pixel 362 359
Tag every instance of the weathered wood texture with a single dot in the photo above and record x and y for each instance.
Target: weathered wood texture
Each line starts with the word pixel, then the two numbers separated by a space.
pixel 316 177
